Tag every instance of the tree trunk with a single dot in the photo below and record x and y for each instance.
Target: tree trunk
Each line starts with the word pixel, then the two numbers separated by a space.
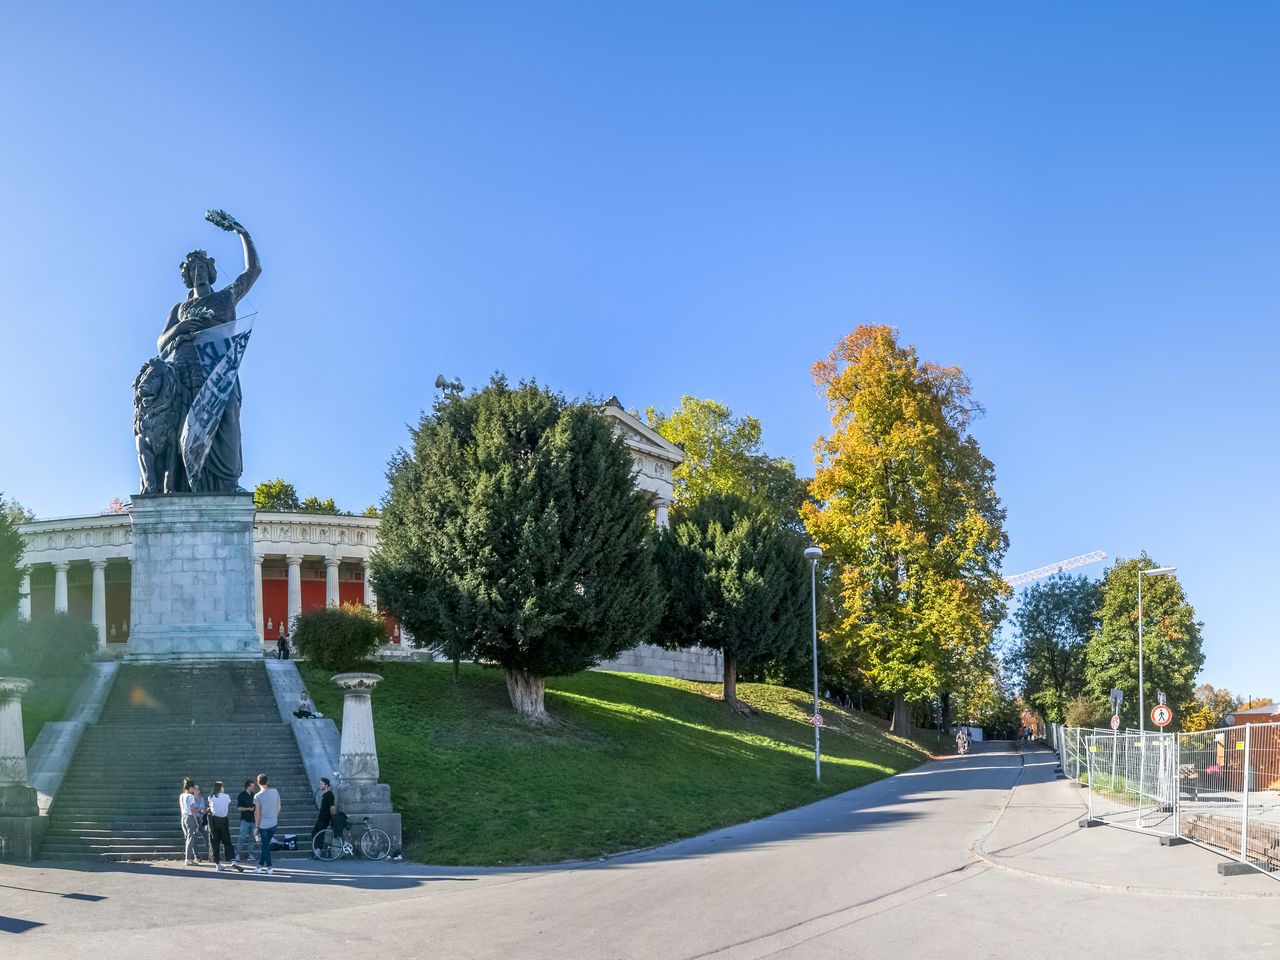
pixel 526 692
pixel 901 723
pixel 731 684
pixel 946 711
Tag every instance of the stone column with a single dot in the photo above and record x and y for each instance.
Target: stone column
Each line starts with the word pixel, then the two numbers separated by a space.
pixel 331 595
pixel 60 587
pixel 20 824
pixel 370 598
pixel 13 752
pixel 662 514
pixel 100 600
pixel 359 792
pixel 24 601
pixel 295 587
pixel 258 619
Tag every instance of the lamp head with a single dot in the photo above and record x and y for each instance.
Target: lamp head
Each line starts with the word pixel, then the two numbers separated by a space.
pixel 812 553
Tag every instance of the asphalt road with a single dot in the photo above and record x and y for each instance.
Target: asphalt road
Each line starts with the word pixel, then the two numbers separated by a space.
pixel 945 861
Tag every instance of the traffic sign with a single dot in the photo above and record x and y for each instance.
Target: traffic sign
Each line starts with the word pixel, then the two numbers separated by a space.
pixel 1115 721
pixel 817 720
pixel 1161 715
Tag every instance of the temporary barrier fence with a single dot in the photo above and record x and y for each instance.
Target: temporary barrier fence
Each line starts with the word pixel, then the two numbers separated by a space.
pixel 1216 788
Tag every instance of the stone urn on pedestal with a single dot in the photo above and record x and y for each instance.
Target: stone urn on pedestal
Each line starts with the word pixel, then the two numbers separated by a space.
pixel 360 794
pixel 21 826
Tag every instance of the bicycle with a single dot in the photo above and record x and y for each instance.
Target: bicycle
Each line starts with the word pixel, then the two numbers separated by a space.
pixel 374 844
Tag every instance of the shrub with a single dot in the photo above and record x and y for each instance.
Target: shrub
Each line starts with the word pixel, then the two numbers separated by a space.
pixel 57 645
pixel 339 638
pixel 1083 712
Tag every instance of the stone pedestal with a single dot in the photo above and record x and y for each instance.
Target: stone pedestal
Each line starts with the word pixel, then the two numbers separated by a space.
pixel 20 823
pixel 360 794
pixel 192 591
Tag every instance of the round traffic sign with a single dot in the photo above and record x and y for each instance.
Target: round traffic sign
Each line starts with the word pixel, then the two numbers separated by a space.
pixel 817 720
pixel 1161 714
pixel 1115 721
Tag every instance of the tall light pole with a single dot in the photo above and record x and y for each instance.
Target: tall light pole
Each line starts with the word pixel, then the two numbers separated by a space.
pixel 813 555
pixel 1142 703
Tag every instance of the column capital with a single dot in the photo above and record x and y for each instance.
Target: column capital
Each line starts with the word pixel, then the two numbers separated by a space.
pixel 294 560
pixel 330 562
pixel 62 566
pixel 98 564
pixel 257 561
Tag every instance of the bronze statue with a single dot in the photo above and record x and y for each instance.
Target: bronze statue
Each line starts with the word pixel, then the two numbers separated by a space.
pixel 195 444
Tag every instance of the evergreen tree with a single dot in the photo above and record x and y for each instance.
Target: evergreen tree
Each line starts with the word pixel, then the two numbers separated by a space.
pixel 908 515
pixel 736 582
pixel 12 545
pixel 1172 655
pixel 513 534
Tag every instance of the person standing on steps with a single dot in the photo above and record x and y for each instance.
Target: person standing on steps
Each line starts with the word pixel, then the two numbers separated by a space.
pixel 282 645
pixel 202 820
pixel 220 828
pixel 266 817
pixel 190 828
pixel 244 843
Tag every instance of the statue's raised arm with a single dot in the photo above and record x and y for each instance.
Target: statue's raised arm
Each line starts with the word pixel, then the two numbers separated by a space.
pixel 252 266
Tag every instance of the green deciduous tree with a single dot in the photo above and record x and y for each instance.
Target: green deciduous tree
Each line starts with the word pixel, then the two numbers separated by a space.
pixel 736 582
pixel 12 545
pixel 276 496
pixel 513 534
pixel 1171 640
pixel 1052 625
pixel 907 511
pixel 723 455
pixel 316 505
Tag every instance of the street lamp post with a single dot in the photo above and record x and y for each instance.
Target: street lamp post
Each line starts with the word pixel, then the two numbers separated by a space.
pixel 1142 703
pixel 813 555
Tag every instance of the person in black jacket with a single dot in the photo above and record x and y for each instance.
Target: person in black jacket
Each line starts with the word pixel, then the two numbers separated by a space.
pixel 328 806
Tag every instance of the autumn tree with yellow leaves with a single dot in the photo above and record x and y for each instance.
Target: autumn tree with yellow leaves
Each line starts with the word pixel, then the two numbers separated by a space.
pixel 906 509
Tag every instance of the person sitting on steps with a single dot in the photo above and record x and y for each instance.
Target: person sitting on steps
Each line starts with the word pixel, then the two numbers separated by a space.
pixel 306 709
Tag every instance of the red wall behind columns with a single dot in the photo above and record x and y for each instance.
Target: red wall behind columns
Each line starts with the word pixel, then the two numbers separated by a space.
pixel 275 605
pixel 350 591
pixel 312 595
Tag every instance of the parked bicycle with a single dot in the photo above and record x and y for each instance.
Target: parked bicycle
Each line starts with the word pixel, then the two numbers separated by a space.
pixel 331 843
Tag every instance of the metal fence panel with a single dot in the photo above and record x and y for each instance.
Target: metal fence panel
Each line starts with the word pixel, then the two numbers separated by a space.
pixel 1230 795
pixel 1132 780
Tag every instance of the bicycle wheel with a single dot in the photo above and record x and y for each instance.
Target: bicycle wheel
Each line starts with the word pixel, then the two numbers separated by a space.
pixel 375 844
pixel 326 846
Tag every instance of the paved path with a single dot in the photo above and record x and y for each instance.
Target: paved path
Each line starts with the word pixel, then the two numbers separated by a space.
pixel 947 860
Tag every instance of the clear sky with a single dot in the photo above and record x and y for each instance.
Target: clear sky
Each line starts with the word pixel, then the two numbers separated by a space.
pixel 1078 203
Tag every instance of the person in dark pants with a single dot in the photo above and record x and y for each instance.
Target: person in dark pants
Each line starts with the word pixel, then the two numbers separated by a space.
pixel 220 827
pixel 244 803
pixel 282 645
pixel 328 805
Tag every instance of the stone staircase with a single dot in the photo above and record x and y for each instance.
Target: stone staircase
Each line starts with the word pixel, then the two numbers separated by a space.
pixel 208 721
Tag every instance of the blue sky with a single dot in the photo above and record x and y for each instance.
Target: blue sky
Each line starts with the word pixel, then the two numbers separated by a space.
pixel 1077 203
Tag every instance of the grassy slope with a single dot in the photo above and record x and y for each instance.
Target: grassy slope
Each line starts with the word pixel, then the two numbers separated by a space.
pixel 633 761
pixel 46 701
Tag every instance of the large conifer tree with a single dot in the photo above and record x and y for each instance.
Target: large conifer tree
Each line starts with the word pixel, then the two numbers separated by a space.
pixel 737 583
pixel 513 534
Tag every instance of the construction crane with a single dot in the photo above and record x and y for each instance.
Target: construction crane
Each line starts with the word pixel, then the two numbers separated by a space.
pixel 1018 579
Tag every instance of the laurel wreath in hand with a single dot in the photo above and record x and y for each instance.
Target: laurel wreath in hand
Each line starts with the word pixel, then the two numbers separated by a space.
pixel 223 220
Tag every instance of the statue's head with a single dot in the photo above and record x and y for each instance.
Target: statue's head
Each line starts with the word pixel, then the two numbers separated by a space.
pixel 198 266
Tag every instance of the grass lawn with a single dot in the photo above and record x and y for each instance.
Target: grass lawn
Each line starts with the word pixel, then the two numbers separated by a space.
pixel 632 761
pixel 46 701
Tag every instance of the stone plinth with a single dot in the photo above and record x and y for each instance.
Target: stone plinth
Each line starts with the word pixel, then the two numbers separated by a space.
pixel 192 591
pixel 359 793
pixel 20 824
